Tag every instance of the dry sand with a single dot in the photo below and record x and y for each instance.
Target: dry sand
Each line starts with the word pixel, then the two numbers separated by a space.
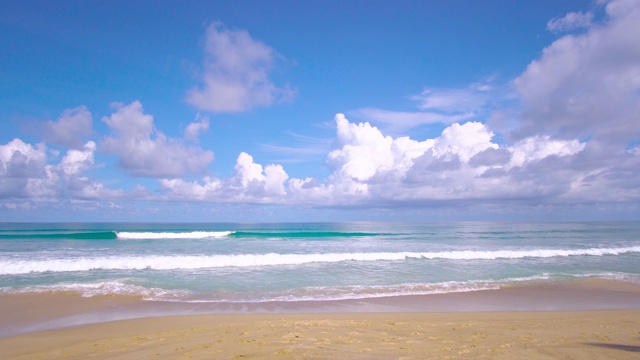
pixel 611 334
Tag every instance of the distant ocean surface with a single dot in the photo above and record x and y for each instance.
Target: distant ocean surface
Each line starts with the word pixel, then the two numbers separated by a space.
pixel 231 263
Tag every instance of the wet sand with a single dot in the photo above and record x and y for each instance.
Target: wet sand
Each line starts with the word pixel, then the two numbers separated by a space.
pixel 589 319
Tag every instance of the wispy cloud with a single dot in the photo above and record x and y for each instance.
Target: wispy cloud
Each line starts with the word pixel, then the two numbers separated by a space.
pixel 400 121
pixel 300 148
pixel 436 106
pixel 454 100
pixel 571 21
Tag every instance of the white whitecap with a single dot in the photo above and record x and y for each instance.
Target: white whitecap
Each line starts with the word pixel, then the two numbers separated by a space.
pixel 172 262
pixel 172 235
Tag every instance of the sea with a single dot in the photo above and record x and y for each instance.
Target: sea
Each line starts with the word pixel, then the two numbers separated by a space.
pixel 229 263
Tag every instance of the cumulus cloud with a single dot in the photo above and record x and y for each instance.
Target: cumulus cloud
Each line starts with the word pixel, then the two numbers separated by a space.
pixel 23 168
pixel 236 73
pixel 179 188
pixel 363 150
pixel 144 151
pixel 21 160
pixel 193 130
pixel 573 136
pixel 490 156
pixel 74 184
pixel 76 161
pixel 539 147
pixel 571 21
pixel 587 85
pixel 462 165
pixel 70 130
pixel 26 174
pixel 259 182
pixel 252 183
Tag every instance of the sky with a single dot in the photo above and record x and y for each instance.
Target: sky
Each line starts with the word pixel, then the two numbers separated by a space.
pixel 297 111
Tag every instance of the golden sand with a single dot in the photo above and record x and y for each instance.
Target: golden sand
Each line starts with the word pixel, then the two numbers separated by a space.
pixel 478 335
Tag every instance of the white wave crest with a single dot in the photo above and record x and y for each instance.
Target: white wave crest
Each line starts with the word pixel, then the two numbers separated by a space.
pixel 172 262
pixel 124 287
pixel 172 235
pixel 376 291
pixel 114 287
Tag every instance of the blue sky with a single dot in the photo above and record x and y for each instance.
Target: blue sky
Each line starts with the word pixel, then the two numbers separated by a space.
pixel 319 110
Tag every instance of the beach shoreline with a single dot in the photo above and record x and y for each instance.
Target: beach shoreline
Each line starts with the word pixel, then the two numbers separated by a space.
pixel 598 334
pixel 26 312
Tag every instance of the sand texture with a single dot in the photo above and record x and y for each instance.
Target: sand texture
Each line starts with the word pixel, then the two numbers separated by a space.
pixel 478 335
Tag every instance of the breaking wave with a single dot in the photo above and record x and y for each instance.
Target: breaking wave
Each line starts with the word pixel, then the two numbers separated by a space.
pixel 172 235
pixel 171 262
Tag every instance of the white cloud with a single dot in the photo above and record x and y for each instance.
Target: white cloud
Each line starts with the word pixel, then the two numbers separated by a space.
pixel 23 170
pixel 574 141
pixel 464 140
pixel 25 173
pixel 76 161
pixel 248 171
pixel 452 100
pixel 371 168
pixel 401 121
pixel 299 149
pixel 193 190
pixel 437 106
pixel 21 160
pixel 73 126
pixel 368 168
pixel 364 151
pixel 274 180
pixel 255 182
pixel 86 189
pixel 71 167
pixel 540 147
pixel 236 73
pixel 142 154
pixel 587 84
pixel 193 130
pixel 252 183
pixel 571 21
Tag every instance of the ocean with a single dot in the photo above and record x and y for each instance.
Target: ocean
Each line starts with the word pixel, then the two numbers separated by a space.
pixel 262 263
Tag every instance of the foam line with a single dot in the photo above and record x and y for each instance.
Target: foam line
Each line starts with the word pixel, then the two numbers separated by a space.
pixel 168 262
pixel 172 235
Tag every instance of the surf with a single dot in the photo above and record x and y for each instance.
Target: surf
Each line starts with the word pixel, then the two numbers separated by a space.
pixel 174 262
pixel 172 235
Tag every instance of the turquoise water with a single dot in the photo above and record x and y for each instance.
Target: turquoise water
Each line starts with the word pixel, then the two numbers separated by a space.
pixel 297 262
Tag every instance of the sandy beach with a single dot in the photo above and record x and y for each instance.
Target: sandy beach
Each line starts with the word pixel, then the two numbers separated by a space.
pixel 590 319
pixel 489 335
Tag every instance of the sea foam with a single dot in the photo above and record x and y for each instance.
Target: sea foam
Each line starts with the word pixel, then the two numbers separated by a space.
pixel 172 262
pixel 172 235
